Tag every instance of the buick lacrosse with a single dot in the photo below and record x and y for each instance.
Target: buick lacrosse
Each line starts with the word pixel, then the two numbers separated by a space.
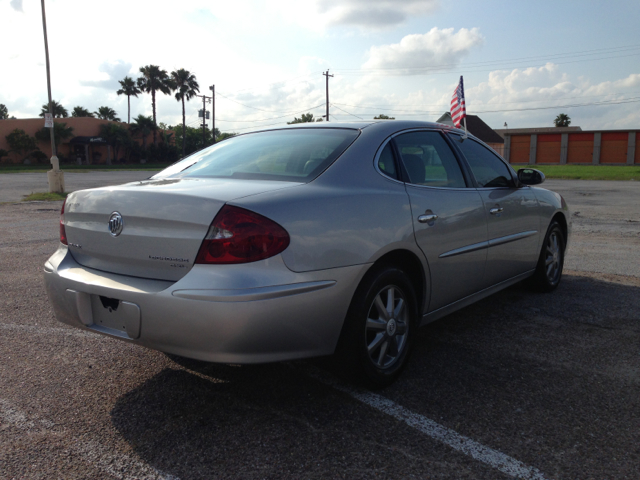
pixel 306 241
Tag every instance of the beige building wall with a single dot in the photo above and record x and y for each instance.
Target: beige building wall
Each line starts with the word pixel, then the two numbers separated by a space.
pixel 82 127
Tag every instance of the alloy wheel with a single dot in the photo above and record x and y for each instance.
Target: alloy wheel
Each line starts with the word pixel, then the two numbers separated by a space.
pixel 553 257
pixel 387 327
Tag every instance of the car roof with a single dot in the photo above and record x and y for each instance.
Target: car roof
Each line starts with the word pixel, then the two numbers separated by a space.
pixel 390 125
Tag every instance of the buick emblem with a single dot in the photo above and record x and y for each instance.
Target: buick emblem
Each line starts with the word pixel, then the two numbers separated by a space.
pixel 116 224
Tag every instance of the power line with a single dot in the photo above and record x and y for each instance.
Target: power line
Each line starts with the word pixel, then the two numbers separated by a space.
pixel 385 106
pixel 244 105
pixel 574 105
pixel 595 104
pixel 448 69
pixel 273 118
pixel 498 62
pixel 432 70
pixel 277 83
pixel 258 126
pixel 334 105
pixel 361 72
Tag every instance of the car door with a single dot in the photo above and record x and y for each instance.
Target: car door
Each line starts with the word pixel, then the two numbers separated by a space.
pixel 512 213
pixel 448 216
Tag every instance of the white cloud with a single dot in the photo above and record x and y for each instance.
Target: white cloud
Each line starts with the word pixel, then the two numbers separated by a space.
pixel 418 52
pixel 320 15
pixel 221 48
pixel 520 95
pixel 113 71
pixel 373 13
pixel 16 5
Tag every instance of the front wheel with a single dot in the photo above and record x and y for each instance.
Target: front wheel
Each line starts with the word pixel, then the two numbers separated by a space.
pixel 551 261
pixel 380 327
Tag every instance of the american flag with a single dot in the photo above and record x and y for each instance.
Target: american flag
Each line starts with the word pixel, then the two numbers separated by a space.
pixel 458 110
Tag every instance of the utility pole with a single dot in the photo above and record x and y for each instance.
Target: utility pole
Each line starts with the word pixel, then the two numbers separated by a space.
pixel 204 119
pixel 213 111
pixel 54 176
pixel 326 74
pixel 204 122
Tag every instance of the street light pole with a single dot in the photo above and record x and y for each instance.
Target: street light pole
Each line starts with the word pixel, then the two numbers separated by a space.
pixel 55 176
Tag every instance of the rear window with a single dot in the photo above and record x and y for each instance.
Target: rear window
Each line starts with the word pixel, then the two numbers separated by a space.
pixel 295 155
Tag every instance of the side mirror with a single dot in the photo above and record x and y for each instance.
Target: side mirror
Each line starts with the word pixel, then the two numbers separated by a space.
pixel 530 176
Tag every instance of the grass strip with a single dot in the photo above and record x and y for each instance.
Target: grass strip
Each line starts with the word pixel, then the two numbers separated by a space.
pixel 587 172
pixel 84 168
pixel 45 197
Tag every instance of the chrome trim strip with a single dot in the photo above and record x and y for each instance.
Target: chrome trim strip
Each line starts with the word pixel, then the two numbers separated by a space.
pixel 376 158
pixel 250 294
pixel 467 249
pixel 511 238
pixel 465 189
pixel 490 243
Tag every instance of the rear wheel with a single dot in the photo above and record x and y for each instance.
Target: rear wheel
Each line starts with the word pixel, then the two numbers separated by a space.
pixel 551 261
pixel 379 328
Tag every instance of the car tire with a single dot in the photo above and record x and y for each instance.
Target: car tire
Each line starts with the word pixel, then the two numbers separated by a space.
pixel 551 261
pixel 379 329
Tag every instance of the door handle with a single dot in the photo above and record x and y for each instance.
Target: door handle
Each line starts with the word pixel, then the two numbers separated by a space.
pixel 428 218
pixel 496 210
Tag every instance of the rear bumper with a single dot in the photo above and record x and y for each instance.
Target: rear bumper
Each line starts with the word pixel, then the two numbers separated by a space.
pixel 251 313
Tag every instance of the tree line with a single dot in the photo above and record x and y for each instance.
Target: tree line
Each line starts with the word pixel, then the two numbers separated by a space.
pixel 152 80
pixel 120 139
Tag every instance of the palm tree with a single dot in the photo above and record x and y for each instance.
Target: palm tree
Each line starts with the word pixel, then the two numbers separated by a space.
pixel 107 113
pixel 58 110
pixel 115 136
pixel 186 87
pixel 154 79
pixel 81 112
pixel 143 126
pixel 562 120
pixel 129 88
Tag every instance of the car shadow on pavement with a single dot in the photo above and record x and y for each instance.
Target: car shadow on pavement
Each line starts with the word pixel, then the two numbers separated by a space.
pixel 549 379
pixel 270 421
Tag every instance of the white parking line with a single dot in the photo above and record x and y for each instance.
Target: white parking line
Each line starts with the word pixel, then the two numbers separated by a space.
pixel 453 439
pixel 112 463
pixel 50 330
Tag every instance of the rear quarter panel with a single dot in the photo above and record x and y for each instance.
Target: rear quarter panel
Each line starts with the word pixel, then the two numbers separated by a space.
pixel 349 215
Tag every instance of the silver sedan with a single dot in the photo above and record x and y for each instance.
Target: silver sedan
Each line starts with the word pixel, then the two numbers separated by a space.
pixel 306 241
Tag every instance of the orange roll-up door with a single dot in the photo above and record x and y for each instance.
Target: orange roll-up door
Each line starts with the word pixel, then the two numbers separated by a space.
pixel 614 147
pixel 548 148
pixel 580 148
pixel 519 152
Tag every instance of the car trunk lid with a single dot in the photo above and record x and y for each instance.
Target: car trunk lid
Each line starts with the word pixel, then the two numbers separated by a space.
pixel 163 223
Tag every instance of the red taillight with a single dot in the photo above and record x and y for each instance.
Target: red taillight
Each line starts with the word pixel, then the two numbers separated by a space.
pixel 63 234
pixel 237 235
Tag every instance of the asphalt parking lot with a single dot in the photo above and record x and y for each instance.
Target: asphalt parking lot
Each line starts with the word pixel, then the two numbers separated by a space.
pixel 519 385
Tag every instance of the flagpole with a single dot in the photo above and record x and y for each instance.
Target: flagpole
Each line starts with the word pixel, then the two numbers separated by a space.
pixel 466 135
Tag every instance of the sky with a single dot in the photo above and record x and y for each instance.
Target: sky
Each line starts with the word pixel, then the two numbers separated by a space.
pixel 523 63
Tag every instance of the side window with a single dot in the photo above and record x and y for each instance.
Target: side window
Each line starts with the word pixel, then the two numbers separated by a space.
pixel 488 169
pixel 428 160
pixel 386 163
